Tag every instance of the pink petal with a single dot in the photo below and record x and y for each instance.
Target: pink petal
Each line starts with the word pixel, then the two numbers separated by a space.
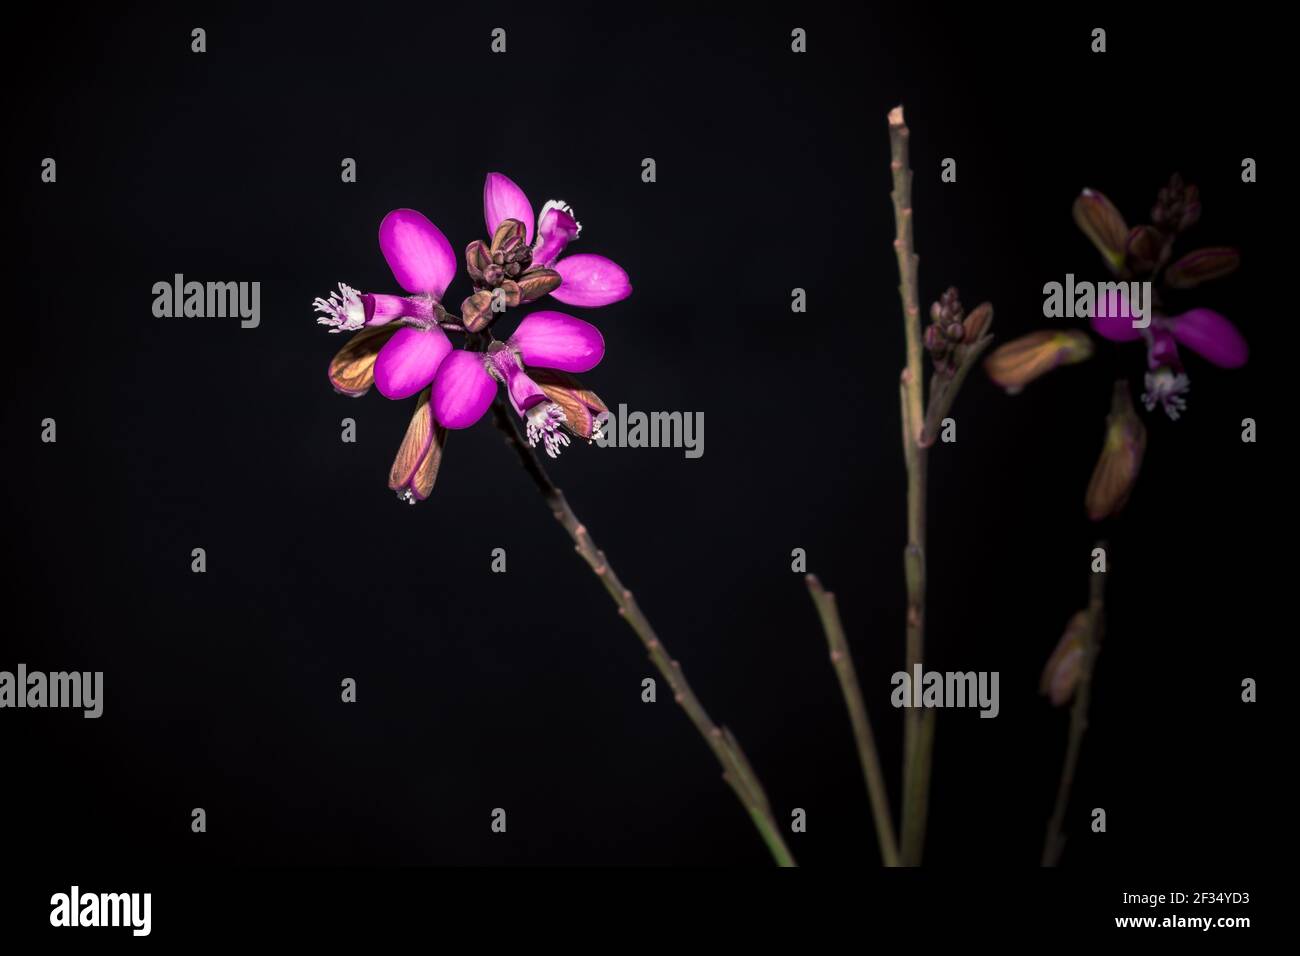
pixel 1212 337
pixel 503 199
pixel 419 254
pixel 463 390
pixel 382 309
pixel 409 360
pixel 556 340
pixel 557 229
pixel 1113 319
pixel 591 280
pixel 1162 350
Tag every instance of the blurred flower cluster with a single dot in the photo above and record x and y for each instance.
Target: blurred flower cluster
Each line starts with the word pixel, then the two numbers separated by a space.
pixel 1141 253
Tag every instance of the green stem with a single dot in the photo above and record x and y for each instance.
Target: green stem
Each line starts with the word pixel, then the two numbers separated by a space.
pixel 915 750
pixel 842 661
pixel 736 769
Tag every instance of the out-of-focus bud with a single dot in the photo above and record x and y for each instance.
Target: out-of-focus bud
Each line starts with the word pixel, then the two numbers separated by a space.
pixel 950 309
pixel 977 323
pixel 934 339
pixel 1202 266
pixel 1020 361
pixel 1064 667
pixel 1191 209
pixel 580 405
pixel 946 332
pixel 1103 225
pixel 1178 206
pixel 1117 468
pixel 415 468
pixel 352 370
pixel 1142 250
pixel 476 311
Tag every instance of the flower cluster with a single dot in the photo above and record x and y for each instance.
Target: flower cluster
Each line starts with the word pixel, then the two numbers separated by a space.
pixel 952 334
pixel 401 346
pixel 1141 253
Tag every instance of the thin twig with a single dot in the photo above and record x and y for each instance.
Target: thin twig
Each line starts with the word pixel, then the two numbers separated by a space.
pixel 736 769
pixel 843 662
pixel 914 457
pixel 1054 845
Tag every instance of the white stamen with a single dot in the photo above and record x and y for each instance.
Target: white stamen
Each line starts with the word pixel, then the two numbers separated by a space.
pixel 1166 389
pixel 344 310
pixel 565 208
pixel 544 421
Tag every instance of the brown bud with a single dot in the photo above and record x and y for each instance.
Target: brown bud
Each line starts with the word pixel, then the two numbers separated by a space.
pixel 580 405
pixel 352 370
pixel 1020 361
pixel 510 231
pixel 949 307
pixel 508 291
pixel 476 311
pixel 1103 225
pixel 978 322
pixel 1202 266
pixel 536 283
pixel 415 468
pixel 477 260
pixel 934 340
pixel 1065 666
pixel 1117 468
pixel 1142 249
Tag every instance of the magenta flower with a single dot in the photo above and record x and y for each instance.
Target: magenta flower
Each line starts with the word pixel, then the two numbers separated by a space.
pixel 467 381
pixel 1204 331
pixel 424 263
pixel 586 279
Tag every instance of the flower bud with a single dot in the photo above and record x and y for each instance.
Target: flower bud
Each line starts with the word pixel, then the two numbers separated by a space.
pixel 934 339
pixel 1103 225
pixel 1142 249
pixel 580 405
pixel 476 311
pixel 1202 266
pixel 536 283
pixel 510 232
pixel 1178 206
pixel 1117 468
pixel 1020 361
pixel 1064 667
pixel 352 370
pixel 477 259
pixel 415 469
pixel 978 322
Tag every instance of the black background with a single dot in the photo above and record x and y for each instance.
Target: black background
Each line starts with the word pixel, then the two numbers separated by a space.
pixel 522 690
